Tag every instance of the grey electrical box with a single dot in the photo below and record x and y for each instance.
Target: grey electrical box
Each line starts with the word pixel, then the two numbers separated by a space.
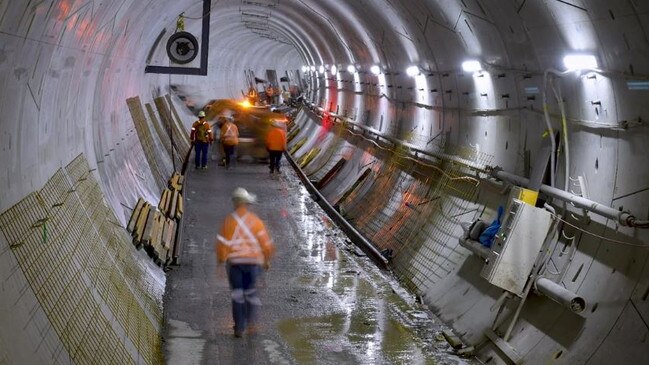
pixel 516 246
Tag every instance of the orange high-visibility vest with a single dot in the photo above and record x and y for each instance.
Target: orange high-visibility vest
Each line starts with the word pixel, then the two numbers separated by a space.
pixel 244 239
pixel 276 139
pixel 201 132
pixel 229 134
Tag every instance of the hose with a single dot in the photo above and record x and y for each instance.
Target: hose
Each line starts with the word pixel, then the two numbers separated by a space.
pixel 546 114
pixel 632 222
pixel 564 123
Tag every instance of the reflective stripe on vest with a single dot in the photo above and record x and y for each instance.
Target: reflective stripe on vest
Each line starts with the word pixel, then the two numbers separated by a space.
pixel 229 132
pixel 237 241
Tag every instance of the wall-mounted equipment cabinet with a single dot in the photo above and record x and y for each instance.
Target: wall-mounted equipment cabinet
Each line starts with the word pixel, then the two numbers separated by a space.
pixel 516 246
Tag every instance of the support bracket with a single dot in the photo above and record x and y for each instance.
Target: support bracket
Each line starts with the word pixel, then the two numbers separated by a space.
pixel 205 45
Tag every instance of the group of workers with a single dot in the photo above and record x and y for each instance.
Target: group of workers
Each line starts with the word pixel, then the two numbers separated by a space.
pixel 271 95
pixel 243 243
pixel 202 137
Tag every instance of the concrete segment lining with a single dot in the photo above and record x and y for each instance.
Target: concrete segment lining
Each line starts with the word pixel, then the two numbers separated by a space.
pixel 67 66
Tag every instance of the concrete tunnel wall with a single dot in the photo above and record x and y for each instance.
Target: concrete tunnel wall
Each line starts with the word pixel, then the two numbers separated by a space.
pixel 67 68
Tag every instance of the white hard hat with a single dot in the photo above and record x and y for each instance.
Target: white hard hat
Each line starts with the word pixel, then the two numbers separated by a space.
pixel 243 195
pixel 201 114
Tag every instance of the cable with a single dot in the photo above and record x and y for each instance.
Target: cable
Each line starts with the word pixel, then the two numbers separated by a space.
pixel 367 139
pixel 565 137
pixel 640 245
pixel 546 114
pixel 466 178
pixel 640 224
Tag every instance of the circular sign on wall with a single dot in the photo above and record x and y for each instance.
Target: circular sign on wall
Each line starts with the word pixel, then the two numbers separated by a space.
pixel 182 47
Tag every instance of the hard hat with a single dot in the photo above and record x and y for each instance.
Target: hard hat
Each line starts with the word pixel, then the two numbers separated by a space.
pixel 201 114
pixel 243 195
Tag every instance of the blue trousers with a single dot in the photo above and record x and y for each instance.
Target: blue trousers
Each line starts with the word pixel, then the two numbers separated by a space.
pixel 201 149
pixel 245 302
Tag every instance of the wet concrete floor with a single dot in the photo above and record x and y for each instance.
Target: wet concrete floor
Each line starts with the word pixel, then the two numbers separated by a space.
pixel 323 302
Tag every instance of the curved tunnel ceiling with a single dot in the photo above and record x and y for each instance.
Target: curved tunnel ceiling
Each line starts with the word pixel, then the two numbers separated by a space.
pixel 67 67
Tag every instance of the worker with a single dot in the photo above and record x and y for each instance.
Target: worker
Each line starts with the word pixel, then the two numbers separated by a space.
pixel 229 139
pixel 276 144
pixel 286 97
pixel 252 96
pixel 201 137
pixel 270 93
pixel 245 246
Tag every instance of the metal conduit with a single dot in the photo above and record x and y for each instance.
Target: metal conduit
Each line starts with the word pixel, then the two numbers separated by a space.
pixel 416 151
pixel 560 294
pixel 475 247
pixel 625 218
pixel 353 234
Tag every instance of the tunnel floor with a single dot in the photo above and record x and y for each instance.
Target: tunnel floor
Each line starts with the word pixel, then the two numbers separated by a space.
pixel 324 302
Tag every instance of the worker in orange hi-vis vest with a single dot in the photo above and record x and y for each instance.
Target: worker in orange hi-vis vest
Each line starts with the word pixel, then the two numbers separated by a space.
pixel 276 144
pixel 245 246
pixel 201 137
pixel 229 139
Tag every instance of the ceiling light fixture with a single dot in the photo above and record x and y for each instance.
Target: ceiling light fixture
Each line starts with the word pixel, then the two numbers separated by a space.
pixel 580 62
pixel 412 71
pixel 312 68
pixel 376 70
pixel 351 69
pixel 321 69
pixel 471 66
pixel 334 70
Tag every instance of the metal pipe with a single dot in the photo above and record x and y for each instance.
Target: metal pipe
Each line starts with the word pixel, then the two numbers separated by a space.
pixel 560 294
pixel 625 218
pixel 397 142
pixel 355 236
pixel 475 247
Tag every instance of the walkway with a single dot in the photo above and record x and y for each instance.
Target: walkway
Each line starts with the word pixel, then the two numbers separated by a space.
pixel 324 302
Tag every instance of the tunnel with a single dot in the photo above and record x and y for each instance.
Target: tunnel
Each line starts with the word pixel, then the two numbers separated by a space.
pixel 412 123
